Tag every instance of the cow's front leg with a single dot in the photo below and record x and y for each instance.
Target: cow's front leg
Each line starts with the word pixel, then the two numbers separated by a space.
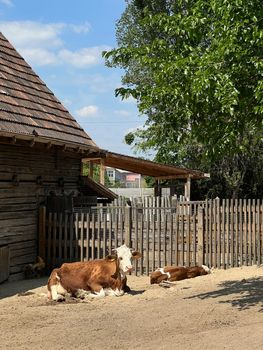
pixel 97 291
pixel 116 288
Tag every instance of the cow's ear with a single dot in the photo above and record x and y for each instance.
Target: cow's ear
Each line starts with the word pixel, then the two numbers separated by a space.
pixel 136 255
pixel 111 257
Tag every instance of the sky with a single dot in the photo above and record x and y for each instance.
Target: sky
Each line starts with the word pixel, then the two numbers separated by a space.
pixel 62 41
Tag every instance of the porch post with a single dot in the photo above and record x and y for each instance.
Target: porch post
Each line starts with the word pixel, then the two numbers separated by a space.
pixel 187 189
pixel 157 189
pixel 102 171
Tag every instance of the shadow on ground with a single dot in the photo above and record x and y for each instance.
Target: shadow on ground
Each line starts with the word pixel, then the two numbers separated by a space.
pixel 136 292
pixel 9 289
pixel 242 294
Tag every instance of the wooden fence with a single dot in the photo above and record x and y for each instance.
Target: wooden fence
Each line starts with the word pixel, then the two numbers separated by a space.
pixel 221 234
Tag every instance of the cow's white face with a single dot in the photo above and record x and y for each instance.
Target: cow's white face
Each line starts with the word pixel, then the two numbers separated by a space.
pixel 125 257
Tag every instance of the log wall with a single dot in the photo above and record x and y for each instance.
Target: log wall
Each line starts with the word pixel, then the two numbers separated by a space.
pixel 27 176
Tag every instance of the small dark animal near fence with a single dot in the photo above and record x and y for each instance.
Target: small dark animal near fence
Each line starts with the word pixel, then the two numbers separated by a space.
pixel 219 234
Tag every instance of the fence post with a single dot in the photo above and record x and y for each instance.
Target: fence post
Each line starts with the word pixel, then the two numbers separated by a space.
pixel 200 236
pixel 42 233
pixel 128 225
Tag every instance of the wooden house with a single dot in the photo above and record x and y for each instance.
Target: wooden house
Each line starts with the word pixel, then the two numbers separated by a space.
pixel 41 147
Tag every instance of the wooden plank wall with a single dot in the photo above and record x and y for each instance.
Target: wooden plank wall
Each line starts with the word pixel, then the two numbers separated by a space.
pixel 19 200
pixel 221 235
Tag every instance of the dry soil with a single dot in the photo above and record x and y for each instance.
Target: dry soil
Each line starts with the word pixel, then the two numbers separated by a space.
pixel 223 310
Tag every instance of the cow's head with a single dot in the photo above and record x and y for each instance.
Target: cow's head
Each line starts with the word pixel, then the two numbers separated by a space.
pixel 125 257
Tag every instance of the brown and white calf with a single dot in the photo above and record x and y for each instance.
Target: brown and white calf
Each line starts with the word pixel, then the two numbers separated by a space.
pixel 96 278
pixel 177 273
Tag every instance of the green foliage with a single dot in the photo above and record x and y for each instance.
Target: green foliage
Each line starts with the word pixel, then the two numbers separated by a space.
pixel 96 174
pixel 195 68
pixel 129 138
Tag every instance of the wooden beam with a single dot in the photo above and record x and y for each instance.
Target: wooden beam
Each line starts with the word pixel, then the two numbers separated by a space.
pixel 187 189
pixel 102 171
pixel 87 160
pixel 171 177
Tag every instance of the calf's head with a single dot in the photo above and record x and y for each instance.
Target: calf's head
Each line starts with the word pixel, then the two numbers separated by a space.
pixel 125 257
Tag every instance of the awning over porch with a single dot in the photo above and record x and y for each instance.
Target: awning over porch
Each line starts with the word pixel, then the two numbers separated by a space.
pixel 144 167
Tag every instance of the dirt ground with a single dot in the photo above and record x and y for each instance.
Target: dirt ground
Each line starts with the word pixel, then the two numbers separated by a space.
pixel 223 310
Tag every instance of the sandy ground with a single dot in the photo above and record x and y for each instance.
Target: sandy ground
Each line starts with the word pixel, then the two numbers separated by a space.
pixel 223 310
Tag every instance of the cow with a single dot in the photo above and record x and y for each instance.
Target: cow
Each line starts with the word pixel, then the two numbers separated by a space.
pixel 169 274
pixel 94 278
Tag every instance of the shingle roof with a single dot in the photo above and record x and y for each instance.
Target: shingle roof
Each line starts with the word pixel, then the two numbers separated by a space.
pixel 29 108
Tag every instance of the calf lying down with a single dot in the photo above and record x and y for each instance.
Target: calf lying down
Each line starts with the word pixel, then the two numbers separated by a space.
pixel 95 278
pixel 169 274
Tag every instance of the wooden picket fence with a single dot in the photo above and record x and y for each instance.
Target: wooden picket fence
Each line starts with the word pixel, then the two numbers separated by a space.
pixel 220 234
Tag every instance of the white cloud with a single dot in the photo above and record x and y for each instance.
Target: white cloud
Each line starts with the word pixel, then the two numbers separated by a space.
pixel 98 83
pixel 7 2
pixel 83 57
pixel 123 113
pixel 40 57
pixel 80 28
pixel 87 111
pixel 29 34
pixel 42 44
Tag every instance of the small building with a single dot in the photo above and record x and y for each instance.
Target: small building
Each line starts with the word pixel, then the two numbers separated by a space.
pixel 41 147
pixel 115 175
pixel 133 180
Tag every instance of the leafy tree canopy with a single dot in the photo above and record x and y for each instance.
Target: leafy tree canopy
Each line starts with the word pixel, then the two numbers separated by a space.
pixel 195 68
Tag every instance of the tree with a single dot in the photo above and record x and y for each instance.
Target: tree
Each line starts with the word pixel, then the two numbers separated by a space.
pixel 195 69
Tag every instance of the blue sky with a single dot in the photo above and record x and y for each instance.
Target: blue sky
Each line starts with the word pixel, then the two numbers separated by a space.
pixel 62 40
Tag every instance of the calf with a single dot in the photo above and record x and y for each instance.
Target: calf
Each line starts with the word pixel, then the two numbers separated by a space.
pixel 96 278
pixel 177 273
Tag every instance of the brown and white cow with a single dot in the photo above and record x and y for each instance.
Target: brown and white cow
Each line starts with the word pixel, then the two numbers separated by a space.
pixel 176 273
pixel 95 278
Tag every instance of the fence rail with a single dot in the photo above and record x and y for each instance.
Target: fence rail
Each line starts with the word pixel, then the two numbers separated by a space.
pixel 220 234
